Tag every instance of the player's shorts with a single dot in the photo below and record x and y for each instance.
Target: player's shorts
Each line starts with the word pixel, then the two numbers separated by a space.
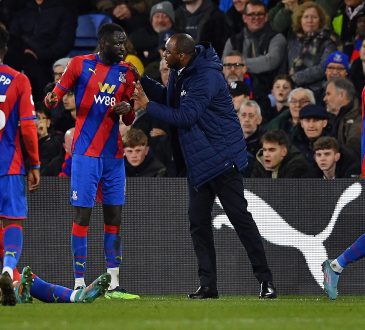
pixel 87 172
pixel 13 202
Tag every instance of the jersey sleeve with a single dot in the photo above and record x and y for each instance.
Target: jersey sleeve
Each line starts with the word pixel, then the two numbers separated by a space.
pixel 128 118
pixel 25 99
pixel 68 78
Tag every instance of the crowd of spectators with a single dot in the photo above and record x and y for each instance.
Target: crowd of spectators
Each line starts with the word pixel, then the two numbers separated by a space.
pixel 295 70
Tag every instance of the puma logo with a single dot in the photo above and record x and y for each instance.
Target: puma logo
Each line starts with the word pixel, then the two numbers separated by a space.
pixel 279 232
pixel 12 253
pixel 55 298
pixel 81 264
pixel 92 70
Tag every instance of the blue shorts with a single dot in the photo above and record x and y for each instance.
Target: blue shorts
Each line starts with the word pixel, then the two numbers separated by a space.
pixel 88 172
pixel 13 202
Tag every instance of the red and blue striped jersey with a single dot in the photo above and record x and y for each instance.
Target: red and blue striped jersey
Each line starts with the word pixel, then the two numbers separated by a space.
pixel 16 105
pixel 97 87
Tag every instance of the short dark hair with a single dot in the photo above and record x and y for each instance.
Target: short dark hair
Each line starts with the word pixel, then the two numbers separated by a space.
pixel 254 3
pixel 343 84
pixel 285 77
pixel 184 43
pixel 41 108
pixel 135 137
pixel 4 38
pixel 276 136
pixel 107 30
pixel 326 142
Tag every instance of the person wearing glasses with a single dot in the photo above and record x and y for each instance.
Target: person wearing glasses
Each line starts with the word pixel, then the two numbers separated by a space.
pixel 263 49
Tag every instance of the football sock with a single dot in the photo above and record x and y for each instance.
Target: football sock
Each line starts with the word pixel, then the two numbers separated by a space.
pixel 336 267
pixel 79 249
pixel 353 253
pixel 48 292
pixel 113 253
pixel 13 243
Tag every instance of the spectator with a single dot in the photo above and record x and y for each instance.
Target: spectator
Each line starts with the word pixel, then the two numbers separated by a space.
pixel 336 66
pixel 313 124
pixel 263 49
pixel 280 16
pixel 140 160
pixel 204 22
pixel 69 104
pixel 360 35
pixel 50 148
pixel 309 46
pixel 289 118
pixel 277 159
pixel 234 15
pixel 59 68
pixel 250 118
pixel 344 24
pixel 328 156
pixel 239 92
pixel 277 102
pixel 357 70
pixel 42 32
pixel 147 39
pixel 341 101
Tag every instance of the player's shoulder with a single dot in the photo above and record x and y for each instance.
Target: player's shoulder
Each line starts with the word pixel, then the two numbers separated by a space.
pixel 82 58
pixel 7 70
pixel 131 68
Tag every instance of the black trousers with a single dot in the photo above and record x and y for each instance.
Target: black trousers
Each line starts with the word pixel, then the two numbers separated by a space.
pixel 229 188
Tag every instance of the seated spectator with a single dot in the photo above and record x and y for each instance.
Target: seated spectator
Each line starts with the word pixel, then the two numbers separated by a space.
pixel 277 159
pixel 333 163
pixel 313 124
pixel 276 102
pixel 309 46
pixel 147 39
pixel 239 92
pixel 59 68
pixel 336 66
pixel 289 118
pixel 40 33
pixel 360 35
pixel 130 14
pixel 139 159
pixel 69 104
pixel 234 15
pixel 263 49
pixel 203 20
pixel 357 70
pixel 50 148
pixel 341 101
pixel 67 145
pixel 249 115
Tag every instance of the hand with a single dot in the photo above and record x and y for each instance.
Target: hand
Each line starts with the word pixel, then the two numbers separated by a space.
pixel 34 179
pixel 51 99
pixel 29 51
pixel 139 97
pixel 122 12
pixel 122 108
pixel 290 4
pixel 157 132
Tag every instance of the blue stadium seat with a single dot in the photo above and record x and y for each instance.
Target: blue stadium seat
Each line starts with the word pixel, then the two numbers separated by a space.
pixel 86 33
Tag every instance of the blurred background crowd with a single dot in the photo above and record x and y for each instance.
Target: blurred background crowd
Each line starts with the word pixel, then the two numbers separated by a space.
pixel 295 70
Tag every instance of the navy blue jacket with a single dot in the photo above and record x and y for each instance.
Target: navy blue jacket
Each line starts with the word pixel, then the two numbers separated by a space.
pixel 198 103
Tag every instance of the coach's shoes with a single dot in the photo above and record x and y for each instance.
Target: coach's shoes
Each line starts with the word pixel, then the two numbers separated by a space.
pixel 22 288
pixel 330 279
pixel 267 290
pixel 7 290
pixel 204 292
pixel 120 293
pixel 94 290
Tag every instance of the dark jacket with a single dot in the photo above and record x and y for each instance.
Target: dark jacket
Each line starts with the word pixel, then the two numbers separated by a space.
pixel 150 167
pixel 293 165
pixel 199 105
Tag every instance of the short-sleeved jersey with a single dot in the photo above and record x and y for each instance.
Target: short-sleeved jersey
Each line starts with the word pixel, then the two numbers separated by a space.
pixel 16 104
pixel 97 87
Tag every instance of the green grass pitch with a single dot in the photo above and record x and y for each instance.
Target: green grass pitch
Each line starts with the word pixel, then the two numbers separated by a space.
pixel 177 312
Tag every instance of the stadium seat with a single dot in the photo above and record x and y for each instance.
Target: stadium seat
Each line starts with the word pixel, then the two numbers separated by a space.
pixel 86 33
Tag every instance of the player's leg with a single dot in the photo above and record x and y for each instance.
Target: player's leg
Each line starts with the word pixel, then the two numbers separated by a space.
pixel 51 293
pixel 86 172
pixel 16 275
pixel 333 268
pixel 113 195
pixel 13 210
